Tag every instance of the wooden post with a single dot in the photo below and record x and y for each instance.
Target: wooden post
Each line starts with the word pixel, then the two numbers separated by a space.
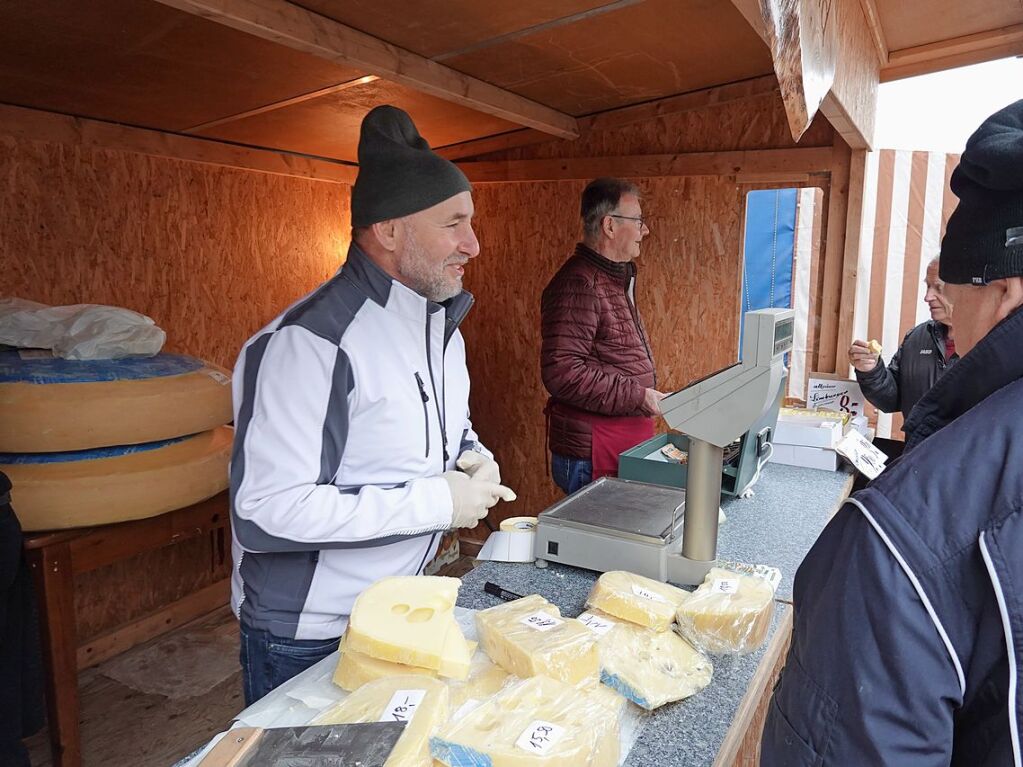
pixel 834 256
pixel 853 235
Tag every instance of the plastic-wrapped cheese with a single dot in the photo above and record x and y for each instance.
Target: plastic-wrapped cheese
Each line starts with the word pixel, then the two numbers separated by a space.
pixel 537 722
pixel 409 620
pixel 420 701
pixel 728 613
pixel 484 681
pixel 528 637
pixel 648 667
pixel 636 599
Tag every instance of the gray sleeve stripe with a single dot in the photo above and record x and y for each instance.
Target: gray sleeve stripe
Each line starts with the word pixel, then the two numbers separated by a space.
pixel 255 538
pixel 335 423
pixel 253 357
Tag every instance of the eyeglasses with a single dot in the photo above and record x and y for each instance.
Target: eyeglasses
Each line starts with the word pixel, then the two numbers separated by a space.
pixel 642 221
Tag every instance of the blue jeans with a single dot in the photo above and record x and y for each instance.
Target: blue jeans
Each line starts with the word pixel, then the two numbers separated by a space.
pixel 570 473
pixel 269 661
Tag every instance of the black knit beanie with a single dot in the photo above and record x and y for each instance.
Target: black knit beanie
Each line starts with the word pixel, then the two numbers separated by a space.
pixel 398 172
pixel 984 238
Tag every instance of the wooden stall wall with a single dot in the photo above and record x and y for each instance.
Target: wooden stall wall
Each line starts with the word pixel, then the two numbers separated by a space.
pixel 688 284
pixel 210 253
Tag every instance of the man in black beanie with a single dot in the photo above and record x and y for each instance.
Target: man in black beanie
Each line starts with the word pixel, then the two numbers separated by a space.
pixel 353 446
pixel 908 634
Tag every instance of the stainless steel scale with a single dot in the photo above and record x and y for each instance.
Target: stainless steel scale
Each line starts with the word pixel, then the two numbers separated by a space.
pixel 663 532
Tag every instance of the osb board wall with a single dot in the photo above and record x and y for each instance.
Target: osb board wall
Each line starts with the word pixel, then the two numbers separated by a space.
pixel 687 291
pixel 210 253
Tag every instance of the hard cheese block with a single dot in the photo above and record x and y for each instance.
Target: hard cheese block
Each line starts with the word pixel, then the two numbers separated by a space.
pixel 728 613
pixel 535 722
pixel 636 599
pixel 648 667
pixel 484 681
pixel 528 637
pixel 409 620
pixel 354 669
pixel 420 701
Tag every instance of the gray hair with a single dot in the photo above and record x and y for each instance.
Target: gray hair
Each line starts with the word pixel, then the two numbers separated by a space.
pixel 600 198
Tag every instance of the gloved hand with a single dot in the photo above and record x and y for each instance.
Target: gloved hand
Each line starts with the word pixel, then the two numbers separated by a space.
pixel 478 466
pixel 472 498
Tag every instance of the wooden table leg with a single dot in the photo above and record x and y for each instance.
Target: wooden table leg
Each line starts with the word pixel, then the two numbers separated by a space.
pixel 51 566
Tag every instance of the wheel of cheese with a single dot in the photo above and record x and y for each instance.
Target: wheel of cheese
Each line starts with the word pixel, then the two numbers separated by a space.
pixel 53 491
pixel 53 405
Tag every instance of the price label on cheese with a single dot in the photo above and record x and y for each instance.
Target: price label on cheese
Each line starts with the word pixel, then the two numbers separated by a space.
pixel 639 591
pixel 725 586
pixel 540 737
pixel 402 706
pixel 541 621
pixel 219 377
pixel 598 625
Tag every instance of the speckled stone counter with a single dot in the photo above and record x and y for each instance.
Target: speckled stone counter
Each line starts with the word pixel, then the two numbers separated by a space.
pixel 777 527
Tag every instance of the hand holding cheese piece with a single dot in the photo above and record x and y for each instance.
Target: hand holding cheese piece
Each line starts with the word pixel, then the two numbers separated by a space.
pixel 637 599
pixel 729 613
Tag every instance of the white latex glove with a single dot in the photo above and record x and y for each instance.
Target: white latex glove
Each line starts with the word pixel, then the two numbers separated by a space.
pixel 472 498
pixel 478 466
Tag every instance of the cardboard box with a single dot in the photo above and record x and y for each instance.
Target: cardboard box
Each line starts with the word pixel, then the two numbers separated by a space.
pixel 808 457
pixel 808 433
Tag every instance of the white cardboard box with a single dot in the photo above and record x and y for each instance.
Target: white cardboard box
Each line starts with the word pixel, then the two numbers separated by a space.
pixel 808 433
pixel 800 455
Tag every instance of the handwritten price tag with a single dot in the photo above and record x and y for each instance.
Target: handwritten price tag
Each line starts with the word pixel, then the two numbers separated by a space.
pixel 597 625
pixel 725 586
pixel 540 737
pixel 639 591
pixel 541 621
pixel 402 706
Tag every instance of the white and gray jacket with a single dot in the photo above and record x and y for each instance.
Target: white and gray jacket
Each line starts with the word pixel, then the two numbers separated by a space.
pixel 348 407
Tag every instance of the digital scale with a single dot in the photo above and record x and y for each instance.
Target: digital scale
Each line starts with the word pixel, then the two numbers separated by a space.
pixel 663 532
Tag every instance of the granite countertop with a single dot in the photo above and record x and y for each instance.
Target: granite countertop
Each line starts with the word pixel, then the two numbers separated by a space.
pixel 777 526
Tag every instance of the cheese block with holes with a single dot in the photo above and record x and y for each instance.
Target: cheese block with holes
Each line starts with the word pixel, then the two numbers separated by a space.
pixel 420 701
pixel 409 620
pixel 637 599
pixel 96 487
pixel 537 722
pixel 50 405
pixel 528 637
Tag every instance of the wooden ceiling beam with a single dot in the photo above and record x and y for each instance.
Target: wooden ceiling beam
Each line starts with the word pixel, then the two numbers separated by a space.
pixel 956 52
pixel 873 20
pixel 302 30
pixel 36 125
pixel 617 118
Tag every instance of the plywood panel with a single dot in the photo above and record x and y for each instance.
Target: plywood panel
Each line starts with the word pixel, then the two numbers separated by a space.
pixel 329 126
pixel 210 253
pixel 688 292
pixel 144 64
pixel 637 53
pixel 927 21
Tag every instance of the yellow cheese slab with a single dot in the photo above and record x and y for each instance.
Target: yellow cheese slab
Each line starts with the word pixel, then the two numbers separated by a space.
pixel 537 722
pixel 637 599
pixel 728 613
pixel 99 491
pixel 485 679
pixel 648 667
pixel 354 669
pixel 528 637
pixel 420 701
pixel 409 620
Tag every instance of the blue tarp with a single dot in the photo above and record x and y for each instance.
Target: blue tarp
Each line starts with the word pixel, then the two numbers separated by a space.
pixel 767 261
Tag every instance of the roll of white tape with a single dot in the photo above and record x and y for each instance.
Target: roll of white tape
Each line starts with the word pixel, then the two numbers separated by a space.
pixel 519 525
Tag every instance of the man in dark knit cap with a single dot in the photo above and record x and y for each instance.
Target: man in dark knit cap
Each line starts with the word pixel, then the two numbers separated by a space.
pixel 908 634
pixel 353 446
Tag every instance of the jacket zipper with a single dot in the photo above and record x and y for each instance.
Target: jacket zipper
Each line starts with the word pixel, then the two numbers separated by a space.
pixel 639 327
pixel 426 415
pixel 440 414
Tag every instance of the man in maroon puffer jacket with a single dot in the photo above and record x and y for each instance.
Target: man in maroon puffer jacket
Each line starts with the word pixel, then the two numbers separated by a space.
pixel 595 359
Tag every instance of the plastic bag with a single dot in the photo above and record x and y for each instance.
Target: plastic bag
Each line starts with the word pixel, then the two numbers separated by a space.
pixel 79 332
pixel 637 599
pixel 731 611
pixel 528 637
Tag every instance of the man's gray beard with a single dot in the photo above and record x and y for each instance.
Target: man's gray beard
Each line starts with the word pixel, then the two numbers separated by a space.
pixel 422 277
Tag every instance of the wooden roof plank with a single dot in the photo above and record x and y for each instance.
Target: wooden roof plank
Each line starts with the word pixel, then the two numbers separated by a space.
pixel 957 52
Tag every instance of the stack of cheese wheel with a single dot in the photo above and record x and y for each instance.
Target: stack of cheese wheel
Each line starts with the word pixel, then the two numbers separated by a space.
pixel 93 442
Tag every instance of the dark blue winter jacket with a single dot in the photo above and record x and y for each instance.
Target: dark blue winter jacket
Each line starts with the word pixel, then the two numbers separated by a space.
pixel 908 635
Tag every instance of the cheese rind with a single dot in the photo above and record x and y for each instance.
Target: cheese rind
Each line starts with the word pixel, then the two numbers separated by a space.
pixel 381 701
pixel 537 722
pixel 729 613
pixel 649 667
pixel 409 620
pixel 528 637
pixel 637 599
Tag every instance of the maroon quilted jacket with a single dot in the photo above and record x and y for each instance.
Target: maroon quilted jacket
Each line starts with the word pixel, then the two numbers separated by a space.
pixel 595 356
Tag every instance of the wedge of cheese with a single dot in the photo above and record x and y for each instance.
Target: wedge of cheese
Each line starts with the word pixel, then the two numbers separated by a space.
pixel 535 722
pixel 528 637
pixel 409 620
pixel 420 701
pixel 636 599
pixel 728 613
pixel 354 669
pixel 648 667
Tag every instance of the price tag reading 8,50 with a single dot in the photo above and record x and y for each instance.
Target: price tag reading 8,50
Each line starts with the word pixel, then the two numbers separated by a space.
pixel 597 625
pixel 402 706
pixel 541 621
pixel 540 737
